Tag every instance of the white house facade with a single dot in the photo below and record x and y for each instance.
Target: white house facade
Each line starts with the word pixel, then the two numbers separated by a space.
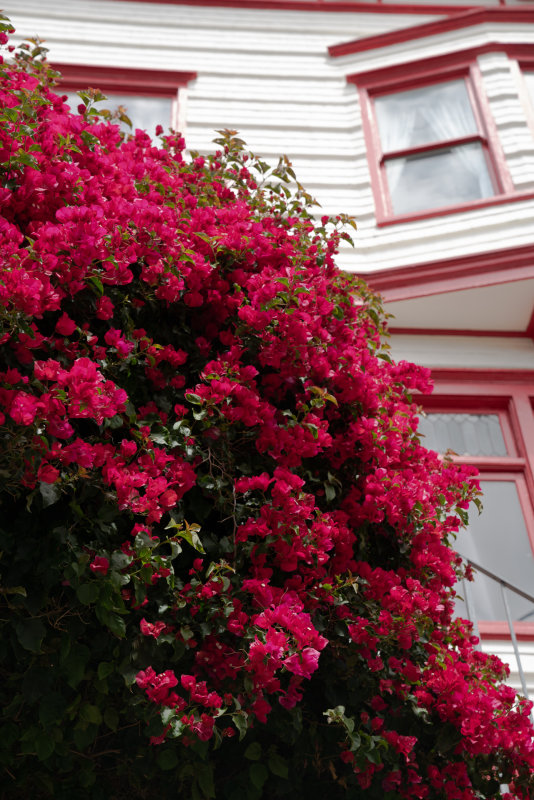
pixel 416 119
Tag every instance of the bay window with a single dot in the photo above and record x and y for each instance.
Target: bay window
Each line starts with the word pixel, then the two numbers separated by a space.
pixel 433 153
pixel 431 140
pixel 492 434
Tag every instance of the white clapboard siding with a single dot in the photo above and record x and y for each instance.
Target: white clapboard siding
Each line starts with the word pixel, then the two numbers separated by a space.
pixel 466 352
pixel 267 74
pixel 515 134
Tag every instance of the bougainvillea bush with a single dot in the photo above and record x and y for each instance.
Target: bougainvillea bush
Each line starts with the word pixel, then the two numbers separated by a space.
pixel 226 562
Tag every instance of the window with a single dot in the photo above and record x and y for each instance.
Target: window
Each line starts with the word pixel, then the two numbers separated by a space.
pixel 149 97
pixel 492 433
pixel 431 140
pixel 432 152
pixel 143 112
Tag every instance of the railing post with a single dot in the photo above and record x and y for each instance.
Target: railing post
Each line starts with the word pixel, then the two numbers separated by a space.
pixel 470 608
pixel 514 643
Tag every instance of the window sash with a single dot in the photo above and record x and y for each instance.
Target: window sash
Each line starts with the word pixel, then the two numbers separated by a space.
pixel 144 111
pixel 502 529
pixel 453 129
pixel 514 407
pixel 436 70
pixel 433 114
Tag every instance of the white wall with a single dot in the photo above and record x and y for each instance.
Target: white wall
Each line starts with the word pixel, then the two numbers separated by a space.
pixel 267 73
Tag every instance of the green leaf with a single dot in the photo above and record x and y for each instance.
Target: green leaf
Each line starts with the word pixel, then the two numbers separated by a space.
pixel 50 493
pixel 112 620
pixel 167 759
pixel 278 765
pixel 240 721
pixel 330 492
pixel 44 746
pixel 88 593
pixel 30 633
pixel 120 560
pixel 253 751
pixel 74 664
pixel 258 774
pixel 13 590
pixel 83 737
pixel 97 284
pixel 205 780
pixel 111 718
pixel 190 534
pixel 105 668
pixel 90 713
pixel 51 709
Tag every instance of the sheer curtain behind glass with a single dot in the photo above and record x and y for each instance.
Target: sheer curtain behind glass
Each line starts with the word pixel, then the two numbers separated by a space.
pixel 425 116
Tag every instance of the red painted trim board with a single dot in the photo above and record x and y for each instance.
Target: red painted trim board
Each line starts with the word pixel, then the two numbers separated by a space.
pixel 465 19
pixel 122 79
pixel 499 200
pixel 397 331
pixel 428 69
pixel 454 274
pixel 481 381
pixel 498 631
pixel 322 6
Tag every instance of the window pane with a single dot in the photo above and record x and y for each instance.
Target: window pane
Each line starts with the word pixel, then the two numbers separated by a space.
pixel 465 434
pixel 144 112
pixel 432 114
pixel 438 178
pixel 497 539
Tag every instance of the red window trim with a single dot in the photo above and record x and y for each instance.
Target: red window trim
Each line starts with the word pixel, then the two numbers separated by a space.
pixel 123 80
pixel 513 400
pixel 418 74
pixel 324 6
pixel 453 22
pixel 498 631
pixel 457 209
pixel 395 330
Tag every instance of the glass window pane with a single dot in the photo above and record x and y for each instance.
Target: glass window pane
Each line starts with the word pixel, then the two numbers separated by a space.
pixel 498 540
pixel 144 112
pixel 438 178
pixel 465 434
pixel 431 114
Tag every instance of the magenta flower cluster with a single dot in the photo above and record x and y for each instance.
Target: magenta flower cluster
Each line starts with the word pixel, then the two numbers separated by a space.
pixel 175 335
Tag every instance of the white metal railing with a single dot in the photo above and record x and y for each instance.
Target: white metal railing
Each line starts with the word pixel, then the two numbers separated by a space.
pixel 504 587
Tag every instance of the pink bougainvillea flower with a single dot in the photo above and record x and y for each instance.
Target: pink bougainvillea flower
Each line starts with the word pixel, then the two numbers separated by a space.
pixel 99 565
pixel 47 473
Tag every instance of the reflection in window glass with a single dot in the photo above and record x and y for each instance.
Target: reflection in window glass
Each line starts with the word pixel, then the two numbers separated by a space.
pixel 498 540
pixel 144 112
pixel 438 178
pixel 464 434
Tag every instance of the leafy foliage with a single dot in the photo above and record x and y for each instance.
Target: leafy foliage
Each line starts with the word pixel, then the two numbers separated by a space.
pixel 226 568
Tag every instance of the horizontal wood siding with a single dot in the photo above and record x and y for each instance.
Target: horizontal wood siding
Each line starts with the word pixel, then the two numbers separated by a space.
pixel 267 73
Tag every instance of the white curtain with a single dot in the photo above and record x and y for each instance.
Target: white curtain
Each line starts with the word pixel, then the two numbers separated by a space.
pixel 429 115
pixel 396 123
